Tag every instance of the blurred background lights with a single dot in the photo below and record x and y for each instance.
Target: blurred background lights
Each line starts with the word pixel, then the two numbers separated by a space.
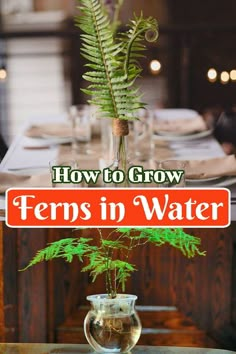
pixel 155 66
pixel 224 77
pixel 212 75
pixel 3 74
pixel 233 75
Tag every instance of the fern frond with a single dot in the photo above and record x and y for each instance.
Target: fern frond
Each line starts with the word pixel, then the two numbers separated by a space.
pixel 112 62
pixel 133 38
pixel 66 248
pixel 102 257
pixel 123 271
pixel 177 238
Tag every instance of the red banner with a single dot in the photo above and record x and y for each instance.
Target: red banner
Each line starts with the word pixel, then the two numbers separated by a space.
pixel 172 207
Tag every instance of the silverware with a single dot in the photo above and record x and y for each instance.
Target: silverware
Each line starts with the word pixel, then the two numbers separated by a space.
pixel 37 147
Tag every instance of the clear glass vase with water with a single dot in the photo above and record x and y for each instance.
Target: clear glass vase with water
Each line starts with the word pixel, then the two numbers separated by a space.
pixel 112 325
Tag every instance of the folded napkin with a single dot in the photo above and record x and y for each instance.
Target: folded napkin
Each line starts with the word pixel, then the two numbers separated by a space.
pixel 217 167
pixel 2 208
pixel 9 180
pixel 181 126
pixel 62 130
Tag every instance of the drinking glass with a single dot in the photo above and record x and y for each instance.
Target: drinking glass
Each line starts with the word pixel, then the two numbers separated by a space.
pixel 106 140
pixel 143 143
pixel 63 163
pixel 81 128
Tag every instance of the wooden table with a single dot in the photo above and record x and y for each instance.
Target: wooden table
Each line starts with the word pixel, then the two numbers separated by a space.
pixel 80 349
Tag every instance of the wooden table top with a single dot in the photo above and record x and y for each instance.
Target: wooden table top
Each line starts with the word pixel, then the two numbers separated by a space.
pixel 19 348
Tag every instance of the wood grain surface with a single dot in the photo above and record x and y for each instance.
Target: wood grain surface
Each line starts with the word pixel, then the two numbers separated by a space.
pixel 10 276
pixel 39 301
pixel 2 315
pixel 32 287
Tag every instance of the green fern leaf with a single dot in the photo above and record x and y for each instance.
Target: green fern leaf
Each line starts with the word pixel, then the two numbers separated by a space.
pixel 106 56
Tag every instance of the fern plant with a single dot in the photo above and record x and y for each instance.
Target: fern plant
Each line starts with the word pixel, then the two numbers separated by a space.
pixel 110 255
pixel 113 65
pixel 112 59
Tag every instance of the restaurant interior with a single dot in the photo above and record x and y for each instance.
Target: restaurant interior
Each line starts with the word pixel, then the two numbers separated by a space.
pixel 189 70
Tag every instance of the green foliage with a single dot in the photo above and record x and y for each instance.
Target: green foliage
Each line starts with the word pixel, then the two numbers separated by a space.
pixel 110 255
pixel 66 248
pixel 177 238
pixel 112 60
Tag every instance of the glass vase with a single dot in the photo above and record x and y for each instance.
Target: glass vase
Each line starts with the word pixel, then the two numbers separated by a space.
pixel 120 131
pixel 112 325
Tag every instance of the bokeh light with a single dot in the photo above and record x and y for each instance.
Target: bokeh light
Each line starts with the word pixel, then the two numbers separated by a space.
pixel 155 66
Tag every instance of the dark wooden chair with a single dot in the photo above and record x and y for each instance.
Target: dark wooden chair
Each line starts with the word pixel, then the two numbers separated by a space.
pixel 3 148
pixel 2 317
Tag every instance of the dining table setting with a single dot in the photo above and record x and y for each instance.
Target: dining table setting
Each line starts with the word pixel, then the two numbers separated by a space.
pixel 176 135
pixel 47 141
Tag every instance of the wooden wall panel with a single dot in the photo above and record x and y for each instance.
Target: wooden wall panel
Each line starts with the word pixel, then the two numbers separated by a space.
pixel 10 283
pixel 152 283
pixel 2 317
pixel 38 300
pixel 204 286
pixel 66 285
pixel 233 314
pixel 32 288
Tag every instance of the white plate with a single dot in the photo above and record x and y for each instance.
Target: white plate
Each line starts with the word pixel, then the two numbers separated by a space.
pixel 29 171
pixel 169 136
pixel 57 140
pixel 174 134
pixel 175 113
pixel 203 180
pixel 216 183
pixel 229 181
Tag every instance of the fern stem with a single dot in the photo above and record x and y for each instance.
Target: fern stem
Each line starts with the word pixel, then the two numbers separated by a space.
pixel 111 290
pixel 108 281
pixel 120 157
pixel 129 47
pixel 126 258
pixel 105 64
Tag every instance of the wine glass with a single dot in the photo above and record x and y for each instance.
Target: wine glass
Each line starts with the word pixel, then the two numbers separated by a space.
pixel 80 116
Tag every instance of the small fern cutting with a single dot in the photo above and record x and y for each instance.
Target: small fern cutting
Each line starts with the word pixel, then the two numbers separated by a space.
pixel 112 62
pixel 110 255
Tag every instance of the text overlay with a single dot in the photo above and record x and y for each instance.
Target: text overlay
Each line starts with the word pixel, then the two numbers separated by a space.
pixel 118 207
